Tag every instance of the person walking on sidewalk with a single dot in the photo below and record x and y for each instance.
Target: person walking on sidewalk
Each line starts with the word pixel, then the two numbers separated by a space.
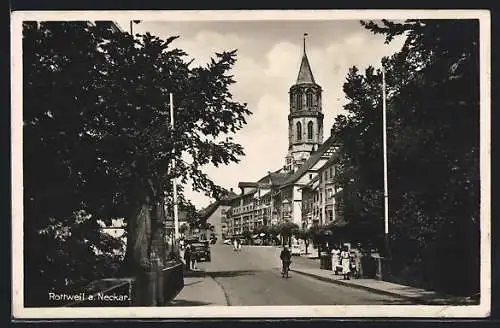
pixel 345 262
pixel 187 257
pixel 336 259
pixel 194 260
pixel 356 255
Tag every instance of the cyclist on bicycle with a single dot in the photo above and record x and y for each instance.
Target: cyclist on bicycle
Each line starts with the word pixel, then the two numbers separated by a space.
pixel 285 257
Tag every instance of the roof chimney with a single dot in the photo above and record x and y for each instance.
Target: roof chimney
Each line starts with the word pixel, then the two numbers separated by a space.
pixel 231 189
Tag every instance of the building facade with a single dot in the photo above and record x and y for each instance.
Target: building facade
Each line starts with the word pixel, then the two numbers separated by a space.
pixel 295 193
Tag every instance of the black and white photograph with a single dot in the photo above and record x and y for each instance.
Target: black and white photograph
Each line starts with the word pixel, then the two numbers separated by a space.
pixel 261 164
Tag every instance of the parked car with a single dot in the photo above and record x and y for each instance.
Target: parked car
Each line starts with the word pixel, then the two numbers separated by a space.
pixel 295 249
pixel 227 242
pixel 202 250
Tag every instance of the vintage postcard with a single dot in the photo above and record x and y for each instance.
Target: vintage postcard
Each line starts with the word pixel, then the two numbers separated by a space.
pixel 251 164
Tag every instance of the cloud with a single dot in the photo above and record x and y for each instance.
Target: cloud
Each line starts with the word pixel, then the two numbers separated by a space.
pixel 264 75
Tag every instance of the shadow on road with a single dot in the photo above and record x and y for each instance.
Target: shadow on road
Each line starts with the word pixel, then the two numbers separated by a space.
pixel 187 303
pixel 220 274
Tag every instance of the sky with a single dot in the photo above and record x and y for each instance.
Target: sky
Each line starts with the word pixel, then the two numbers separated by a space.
pixel 268 60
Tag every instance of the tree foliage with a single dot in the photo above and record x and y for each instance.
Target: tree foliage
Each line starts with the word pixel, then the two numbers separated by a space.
pixel 433 150
pixel 97 134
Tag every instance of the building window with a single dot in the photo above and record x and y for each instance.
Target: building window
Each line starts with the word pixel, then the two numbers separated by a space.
pixel 310 176
pixel 291 99
pixel 309 99
pixel 330 193
pixel 310 130
pixel 299 101
pixel 299 131
pixel 330 215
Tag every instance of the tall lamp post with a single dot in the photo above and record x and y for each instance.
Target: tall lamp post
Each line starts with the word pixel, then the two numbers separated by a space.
pixel 174 180
pixel 386 188
pixel 132 22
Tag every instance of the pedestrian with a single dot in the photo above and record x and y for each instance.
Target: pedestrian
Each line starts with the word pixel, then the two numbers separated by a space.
pixel 335 259
pixel 356 259
pixel 344 258
pixel 187 257
pixel 194 258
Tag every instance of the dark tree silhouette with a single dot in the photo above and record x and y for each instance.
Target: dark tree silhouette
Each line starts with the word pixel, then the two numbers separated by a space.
pixel 97 139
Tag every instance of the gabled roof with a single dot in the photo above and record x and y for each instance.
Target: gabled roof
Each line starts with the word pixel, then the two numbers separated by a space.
pixel 331 161
pixel 276 178
pixel 311 161
pixel 209 210
pixel 224 201
pixel 310 184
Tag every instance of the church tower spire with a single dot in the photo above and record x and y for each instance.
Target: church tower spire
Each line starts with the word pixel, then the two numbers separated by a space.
pixel 305 121
pixel 305 72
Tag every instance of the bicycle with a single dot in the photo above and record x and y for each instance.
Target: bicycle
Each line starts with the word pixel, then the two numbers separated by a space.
pixel 285 270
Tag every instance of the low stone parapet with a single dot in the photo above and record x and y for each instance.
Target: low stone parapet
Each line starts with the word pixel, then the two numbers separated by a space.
pixel 149 288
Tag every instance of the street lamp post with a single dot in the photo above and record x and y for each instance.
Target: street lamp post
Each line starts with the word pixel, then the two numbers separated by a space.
pixel 386 188
pixel 174 180
pixel 132 22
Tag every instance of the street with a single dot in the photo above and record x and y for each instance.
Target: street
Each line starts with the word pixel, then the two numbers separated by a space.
pixel 252 277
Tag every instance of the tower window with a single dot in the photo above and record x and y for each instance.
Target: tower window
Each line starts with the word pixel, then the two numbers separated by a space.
pixel 291 99
pixel 299 101
pixel 309 99
pixel 299 131
pixel 309 130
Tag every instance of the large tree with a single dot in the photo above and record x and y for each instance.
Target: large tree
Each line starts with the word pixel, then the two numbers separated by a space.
pixel 97 134
pixel 433 150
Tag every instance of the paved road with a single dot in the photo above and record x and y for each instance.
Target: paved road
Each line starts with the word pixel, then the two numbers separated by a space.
pixel 252 277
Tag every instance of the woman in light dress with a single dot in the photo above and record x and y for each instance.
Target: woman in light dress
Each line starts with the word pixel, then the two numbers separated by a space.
pixel 344 261
pixel 335 259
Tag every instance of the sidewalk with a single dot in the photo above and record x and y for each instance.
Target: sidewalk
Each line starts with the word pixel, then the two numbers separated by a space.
pixel 417 295
pixel 200 290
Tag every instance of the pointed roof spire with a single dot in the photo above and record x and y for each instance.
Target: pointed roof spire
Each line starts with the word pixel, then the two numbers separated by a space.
pixel 305 72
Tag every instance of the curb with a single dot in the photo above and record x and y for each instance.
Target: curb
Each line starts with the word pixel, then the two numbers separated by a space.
pixel 419 300
pixel 226 295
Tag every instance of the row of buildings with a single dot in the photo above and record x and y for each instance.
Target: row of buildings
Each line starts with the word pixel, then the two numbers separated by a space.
pixel 304 190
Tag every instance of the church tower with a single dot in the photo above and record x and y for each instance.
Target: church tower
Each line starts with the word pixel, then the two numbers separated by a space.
pixel 305 120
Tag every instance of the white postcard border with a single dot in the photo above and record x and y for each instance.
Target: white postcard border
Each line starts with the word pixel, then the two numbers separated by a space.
pixel 20 312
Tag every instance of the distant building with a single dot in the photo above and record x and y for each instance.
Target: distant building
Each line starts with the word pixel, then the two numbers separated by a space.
pixel 215 217
pixel 297 192
pixel 327 190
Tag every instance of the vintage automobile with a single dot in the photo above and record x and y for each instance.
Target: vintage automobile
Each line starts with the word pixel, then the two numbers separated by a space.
pixel 202 250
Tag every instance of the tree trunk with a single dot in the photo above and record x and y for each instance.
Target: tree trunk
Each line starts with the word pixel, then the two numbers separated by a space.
pixel 142 229
pixel 138 242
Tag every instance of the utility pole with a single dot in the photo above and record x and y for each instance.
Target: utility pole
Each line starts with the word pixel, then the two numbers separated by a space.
pixel 386 189
pixel 174 180
pixel 131 26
